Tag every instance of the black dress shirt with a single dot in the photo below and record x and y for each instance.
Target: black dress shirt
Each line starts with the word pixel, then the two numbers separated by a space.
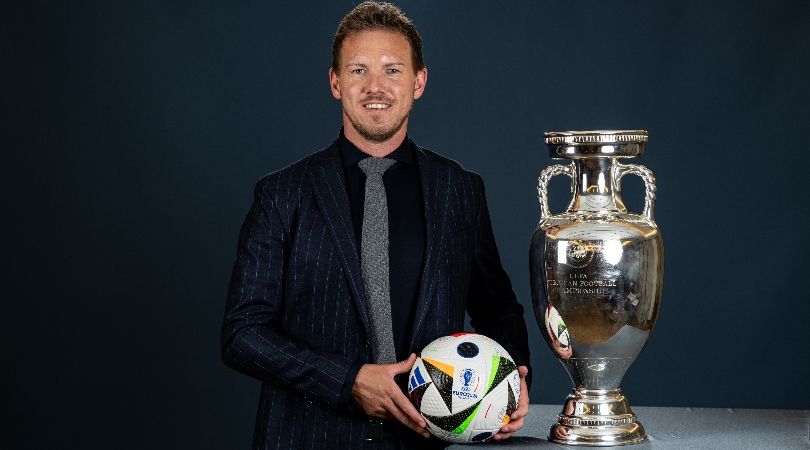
pixel 406 228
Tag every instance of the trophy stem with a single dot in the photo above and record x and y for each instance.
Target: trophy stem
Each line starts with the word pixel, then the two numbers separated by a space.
pixel 597 417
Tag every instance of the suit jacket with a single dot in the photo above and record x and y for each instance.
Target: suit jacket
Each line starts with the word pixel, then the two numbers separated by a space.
pixel 297 316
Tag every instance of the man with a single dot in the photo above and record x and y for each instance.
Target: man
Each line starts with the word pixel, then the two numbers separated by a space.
pixel 358 256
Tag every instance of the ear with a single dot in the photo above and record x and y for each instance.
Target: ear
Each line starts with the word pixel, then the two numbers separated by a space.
pixel 419 83
pixel 334 84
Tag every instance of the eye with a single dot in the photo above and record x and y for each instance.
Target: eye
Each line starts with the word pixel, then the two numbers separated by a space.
pixel 358 71
pixel 393 71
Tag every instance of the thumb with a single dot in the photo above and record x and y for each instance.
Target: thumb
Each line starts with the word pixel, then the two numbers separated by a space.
pixel 523 371
pixel 405 365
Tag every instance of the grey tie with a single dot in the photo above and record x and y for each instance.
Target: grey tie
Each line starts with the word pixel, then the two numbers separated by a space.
pixel 374 259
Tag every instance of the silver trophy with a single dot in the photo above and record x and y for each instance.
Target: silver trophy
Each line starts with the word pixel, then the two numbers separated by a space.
pixel 596 276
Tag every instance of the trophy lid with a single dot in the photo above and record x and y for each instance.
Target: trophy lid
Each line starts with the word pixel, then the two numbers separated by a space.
pixel 596 143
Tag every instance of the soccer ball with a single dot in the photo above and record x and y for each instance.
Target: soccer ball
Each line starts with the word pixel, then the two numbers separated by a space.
pixel 465 386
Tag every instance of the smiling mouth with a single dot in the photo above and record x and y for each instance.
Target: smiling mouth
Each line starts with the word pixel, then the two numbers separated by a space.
pixel 377 106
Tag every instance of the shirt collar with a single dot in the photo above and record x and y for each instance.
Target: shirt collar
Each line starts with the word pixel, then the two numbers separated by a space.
pixel 352 155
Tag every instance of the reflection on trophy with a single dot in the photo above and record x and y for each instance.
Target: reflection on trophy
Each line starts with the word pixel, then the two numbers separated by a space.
pixel 596 276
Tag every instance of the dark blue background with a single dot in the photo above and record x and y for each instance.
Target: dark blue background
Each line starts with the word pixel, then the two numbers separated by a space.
pixel 135 132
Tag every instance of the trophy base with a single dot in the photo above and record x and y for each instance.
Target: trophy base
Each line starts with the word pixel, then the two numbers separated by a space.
pixel 597 417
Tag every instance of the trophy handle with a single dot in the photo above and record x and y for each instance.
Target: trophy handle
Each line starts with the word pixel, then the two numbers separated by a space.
pixel 542 184
pixel 649 184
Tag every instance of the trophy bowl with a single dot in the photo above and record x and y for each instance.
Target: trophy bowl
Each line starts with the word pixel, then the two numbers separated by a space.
pixel 596 274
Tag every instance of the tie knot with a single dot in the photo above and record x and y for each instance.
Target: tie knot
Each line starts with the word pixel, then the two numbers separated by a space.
pixel 375 166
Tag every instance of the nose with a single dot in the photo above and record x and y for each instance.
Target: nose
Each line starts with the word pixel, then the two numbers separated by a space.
pixel 375 82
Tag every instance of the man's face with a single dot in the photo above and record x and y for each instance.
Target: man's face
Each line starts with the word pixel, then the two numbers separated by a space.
pixel 377 84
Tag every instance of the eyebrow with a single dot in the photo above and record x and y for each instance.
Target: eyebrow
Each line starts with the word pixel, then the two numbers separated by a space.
pixel 366 66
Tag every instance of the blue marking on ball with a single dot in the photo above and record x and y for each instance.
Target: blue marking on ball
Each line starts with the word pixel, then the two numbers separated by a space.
pixel 467 350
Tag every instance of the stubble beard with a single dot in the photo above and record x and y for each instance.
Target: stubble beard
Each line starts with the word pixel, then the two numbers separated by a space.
pixel 379 136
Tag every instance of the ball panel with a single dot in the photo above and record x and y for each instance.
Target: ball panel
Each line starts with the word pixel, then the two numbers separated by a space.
pixel 440 348
pixel 501 368
pixel 433 404
pixel 455 423
pixel 443 434
pixel 493 409
pixel 417 394
pixel 444 367
pixel 511 402
pixel 441 379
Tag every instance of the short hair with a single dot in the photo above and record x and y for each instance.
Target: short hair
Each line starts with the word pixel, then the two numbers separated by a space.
pixel 374 16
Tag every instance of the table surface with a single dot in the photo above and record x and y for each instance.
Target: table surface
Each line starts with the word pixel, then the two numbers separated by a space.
pixel 681 428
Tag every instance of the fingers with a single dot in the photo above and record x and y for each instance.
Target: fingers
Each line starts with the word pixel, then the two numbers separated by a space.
pixel 378 394
pixel 499 436
pixel 516 422
pixel 404 365
pixel 512 426
pixel 517 416
pixel 402 410
pixel 523 406
pixel 507 430
pixel 407 407
pixel 519 413
pixel 523 371
pixel 523 401
pixel 417 425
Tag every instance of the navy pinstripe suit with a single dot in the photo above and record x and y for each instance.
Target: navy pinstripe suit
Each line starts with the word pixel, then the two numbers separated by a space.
pixel 297 317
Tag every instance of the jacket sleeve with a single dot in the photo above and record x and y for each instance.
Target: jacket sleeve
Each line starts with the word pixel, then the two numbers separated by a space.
pixel 493 308
pixel 252 340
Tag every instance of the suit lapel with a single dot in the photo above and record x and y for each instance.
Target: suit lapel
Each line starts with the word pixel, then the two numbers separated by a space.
pixel 325 174
pixel 435 191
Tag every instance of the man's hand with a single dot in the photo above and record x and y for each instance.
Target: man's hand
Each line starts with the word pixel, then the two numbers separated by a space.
pixel 376 392
pixel 516 418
